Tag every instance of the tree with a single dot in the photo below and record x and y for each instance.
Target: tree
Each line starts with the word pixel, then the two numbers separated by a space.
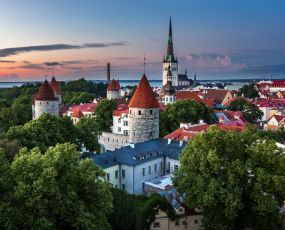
pixel 89 132
pixel 47 130
pixel 104 114
pixel 183 111
pixel 250 112
pixel 237 178
pixel 57 190
pixel 248 91
pixel 10 148
pixel 19 113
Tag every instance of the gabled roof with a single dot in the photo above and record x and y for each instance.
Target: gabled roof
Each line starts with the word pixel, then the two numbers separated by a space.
pixel 55 86
pixel 144 97
pixel 182 95
pixel 278 118
pixel 114 85
pixel 84 108
pixel 218 95
pixel 77 113
pixel 45 93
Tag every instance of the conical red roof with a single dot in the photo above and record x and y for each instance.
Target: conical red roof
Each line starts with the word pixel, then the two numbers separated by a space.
pixel 55 86
pixel 45 93
pixel 114 86
pixel 144 97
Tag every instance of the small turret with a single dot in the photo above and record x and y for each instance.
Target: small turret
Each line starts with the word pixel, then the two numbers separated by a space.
pixel 56 89
pixel 113 90
pixel 45 101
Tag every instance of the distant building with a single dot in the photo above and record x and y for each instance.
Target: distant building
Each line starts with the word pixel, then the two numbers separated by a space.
pixel 277 85
pixel 178 80
pixel 275 122
pixel 113 90
pixel 78 111
pixel 45 101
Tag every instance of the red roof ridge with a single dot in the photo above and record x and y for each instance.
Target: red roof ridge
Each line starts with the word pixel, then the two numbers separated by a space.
pixel 77 113
pixel 144 97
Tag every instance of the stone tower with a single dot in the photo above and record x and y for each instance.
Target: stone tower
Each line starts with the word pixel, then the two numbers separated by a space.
pixel 169 59
pixel 143 113
pixel 56 89
pixel 45 101
pixel 167 93
pixel 113 90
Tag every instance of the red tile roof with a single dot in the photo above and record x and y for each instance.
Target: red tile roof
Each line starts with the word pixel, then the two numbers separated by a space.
pixel 85 108
pixel 121 108
pixel 263 102
pixel 182 95
pixel 77 113
pixel 114 85
pixel 45 93
pixel 278 83
pixel 218 95
pixel 55 86
pixel 144 97
pixel 185 133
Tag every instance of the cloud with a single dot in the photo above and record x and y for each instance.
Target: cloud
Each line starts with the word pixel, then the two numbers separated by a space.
pixel 52 63
pixel 212 61
pixel 17 50
pixel 7 61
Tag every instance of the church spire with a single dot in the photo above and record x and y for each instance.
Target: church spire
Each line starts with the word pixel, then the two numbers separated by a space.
pixel 170 54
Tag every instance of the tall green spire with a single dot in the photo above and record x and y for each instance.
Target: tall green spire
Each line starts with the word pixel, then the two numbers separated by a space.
pixel 170 54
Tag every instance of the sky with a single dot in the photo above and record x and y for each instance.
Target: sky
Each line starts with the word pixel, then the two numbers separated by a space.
pixel 217 39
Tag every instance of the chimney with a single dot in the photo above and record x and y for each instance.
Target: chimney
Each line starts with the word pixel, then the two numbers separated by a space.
pixel 108 73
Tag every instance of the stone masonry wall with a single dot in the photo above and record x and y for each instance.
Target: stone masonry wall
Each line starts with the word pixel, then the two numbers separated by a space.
pixel 144 124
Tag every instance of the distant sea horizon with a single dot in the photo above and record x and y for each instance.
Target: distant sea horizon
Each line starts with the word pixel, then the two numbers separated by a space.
pixel 132 82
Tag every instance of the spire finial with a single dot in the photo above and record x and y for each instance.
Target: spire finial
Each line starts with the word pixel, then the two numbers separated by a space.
pixel 144 59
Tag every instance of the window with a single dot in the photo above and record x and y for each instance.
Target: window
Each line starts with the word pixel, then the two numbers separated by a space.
pixel 168 166
pixel 119 120
pixel 119 129
pixel 175 167
pixel 155 167
pixel 177 222
pixel 108 176
pixel 126 123
pixel 123 173
pixel 156 225
pixel 143 171
pixel 184 222
pixel 116 174
pixel 149 169
pixel 126 132
pixel 123 186
pixel 196 221
pixel 130 111
pixel 161 166
pixel 150 112
pixel 140 112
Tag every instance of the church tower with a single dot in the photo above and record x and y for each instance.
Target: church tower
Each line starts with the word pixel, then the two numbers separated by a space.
pixel 167 93
pixel 143 113
pixel 169 59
